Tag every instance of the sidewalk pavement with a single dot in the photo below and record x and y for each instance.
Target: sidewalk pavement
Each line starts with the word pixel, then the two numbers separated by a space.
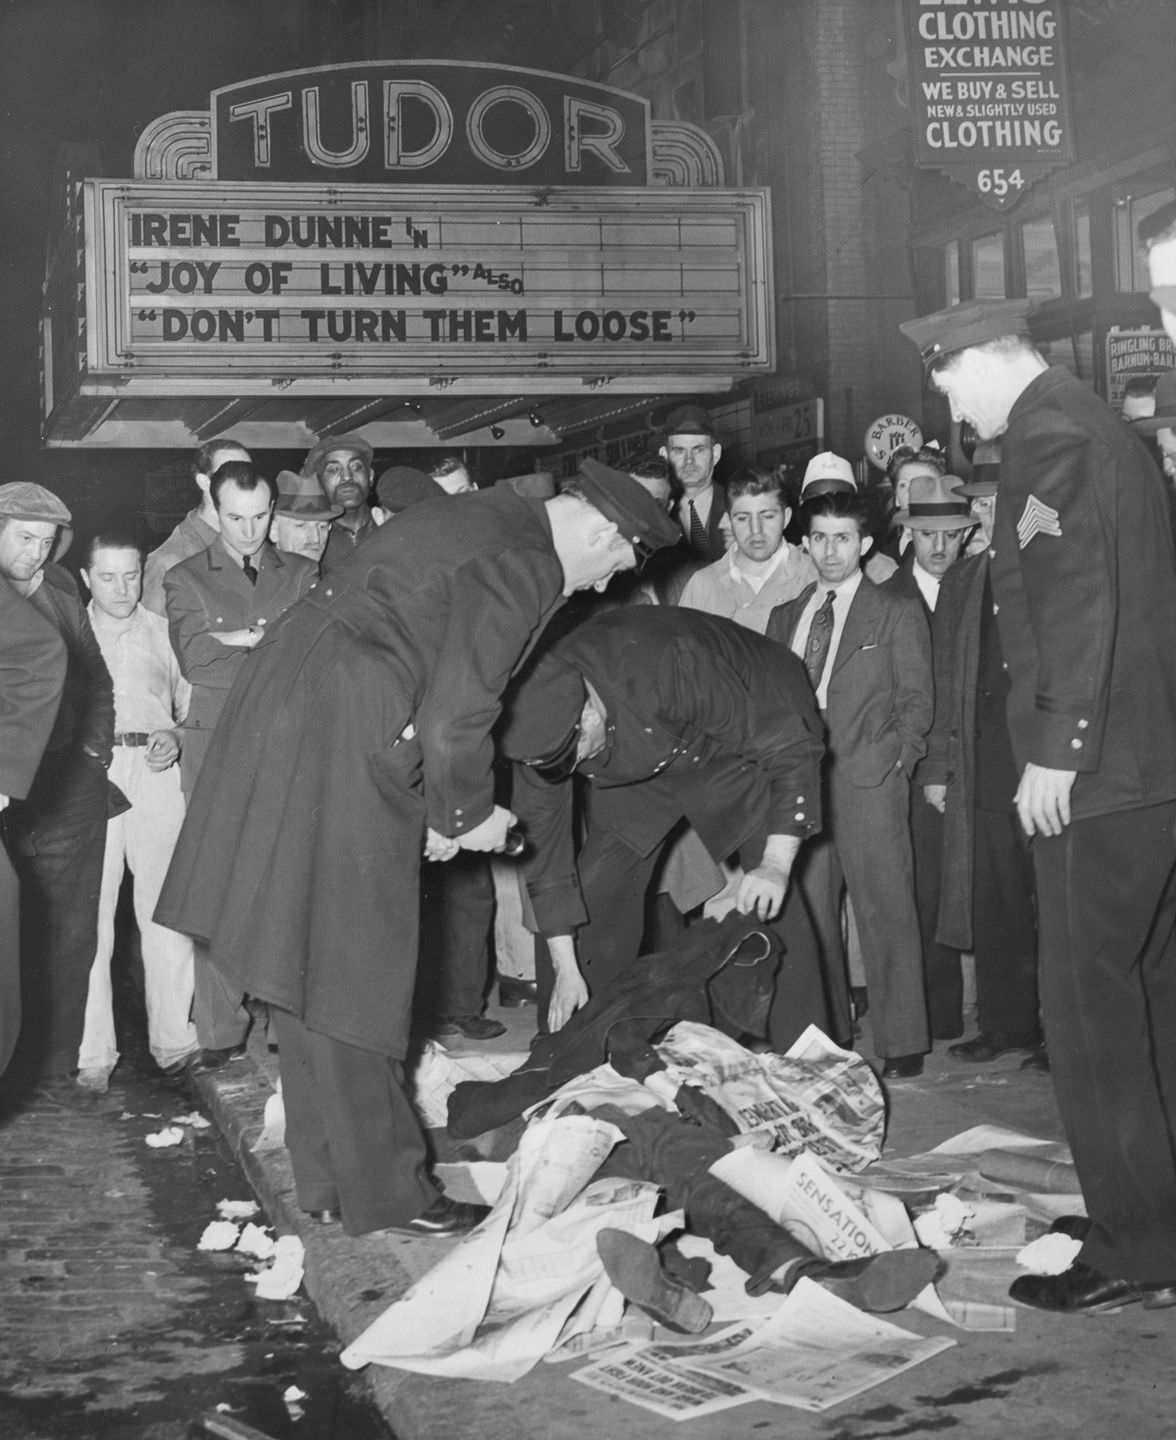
pixel 1097 1376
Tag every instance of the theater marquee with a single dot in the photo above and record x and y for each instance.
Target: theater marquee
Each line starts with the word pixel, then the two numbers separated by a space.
pixel 420 250
pixel 192 279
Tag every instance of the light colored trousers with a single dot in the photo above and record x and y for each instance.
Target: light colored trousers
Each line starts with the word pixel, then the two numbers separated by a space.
pixel 142 841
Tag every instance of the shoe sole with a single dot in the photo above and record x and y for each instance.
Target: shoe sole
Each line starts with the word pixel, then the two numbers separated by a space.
pixel 634 1268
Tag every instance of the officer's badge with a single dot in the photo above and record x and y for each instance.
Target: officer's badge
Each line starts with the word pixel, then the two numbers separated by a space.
pixel 1037 518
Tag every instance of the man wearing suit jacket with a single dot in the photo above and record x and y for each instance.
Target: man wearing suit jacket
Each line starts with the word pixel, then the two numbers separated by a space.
pixel 218 605
pixel 692 452
pixel 938 522
pixel 869 657
pixel 1084 581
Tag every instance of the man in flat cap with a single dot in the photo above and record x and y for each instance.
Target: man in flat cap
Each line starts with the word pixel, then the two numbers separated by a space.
pixel 693 452
pixel 342 465
pixel 359 734
pixel 57 832
pixel 32 673
pixel 667 714
pixel 1084 583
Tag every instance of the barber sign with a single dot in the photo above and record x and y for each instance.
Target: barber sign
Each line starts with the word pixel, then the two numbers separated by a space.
pixel 886 434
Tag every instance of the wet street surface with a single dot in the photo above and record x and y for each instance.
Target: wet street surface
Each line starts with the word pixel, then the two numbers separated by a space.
pixel 113 1325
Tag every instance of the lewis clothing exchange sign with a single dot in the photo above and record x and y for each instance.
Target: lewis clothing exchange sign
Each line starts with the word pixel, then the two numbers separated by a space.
pixel 989 92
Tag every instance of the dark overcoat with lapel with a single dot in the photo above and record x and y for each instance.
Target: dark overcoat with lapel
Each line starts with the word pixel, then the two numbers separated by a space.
pixel 880 689
pixel 1084 580
pixel 707 721
pixel 364 714
pixel 951 745
pixel 32 673
pixel 208 593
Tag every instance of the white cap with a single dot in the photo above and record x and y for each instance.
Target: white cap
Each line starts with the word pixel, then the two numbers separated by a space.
pixel 826 473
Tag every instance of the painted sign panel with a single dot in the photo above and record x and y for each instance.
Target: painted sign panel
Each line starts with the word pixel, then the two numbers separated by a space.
pixel 430 122
pixel 190 279
pixel 989 93
pixel 1132 353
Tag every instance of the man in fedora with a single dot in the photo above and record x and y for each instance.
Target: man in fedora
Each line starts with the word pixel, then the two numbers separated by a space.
pixel 939 522
pixel 692 451
pixel 302 516
pixel 1160 426
pixel 1084 582
pixel 359 735
pixel 968 776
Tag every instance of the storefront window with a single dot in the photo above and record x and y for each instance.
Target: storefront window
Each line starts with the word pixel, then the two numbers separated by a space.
pixel 988 269
pixel 1130 261
pixel 1043 270
pixel 951 273
pixel 1083 276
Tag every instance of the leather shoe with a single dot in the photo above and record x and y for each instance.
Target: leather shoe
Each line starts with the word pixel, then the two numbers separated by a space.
pixel 1038 1061
pixel 991 1043
pixel 1083 1291
pixel 902 1067
pixel 634 1267
pixel 878 1283
pixel 209 1060
pixel 444 1217
pixel 1077 1227
pixel 513 991
pixel 473 1027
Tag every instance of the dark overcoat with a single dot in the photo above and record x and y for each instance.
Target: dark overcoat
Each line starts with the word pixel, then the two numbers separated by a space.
pixel 951 745
pixel 32 673
pixel 364 713
pixel 1084 578
pixel 706 720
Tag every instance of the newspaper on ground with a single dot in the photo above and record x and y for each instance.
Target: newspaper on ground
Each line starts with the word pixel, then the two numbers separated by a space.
pixel 817 1097
pixel 813 1353
pixel 439 1071
pixel 501 1299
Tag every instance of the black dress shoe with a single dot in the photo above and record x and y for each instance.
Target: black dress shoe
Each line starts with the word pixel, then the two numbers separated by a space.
pixel 444 1217
pixel 991 1043
pixel 514 992
pixel 1083 1291
pixel 902 1067
pixel 473 1027
pixel 210 1060
pixel 1077 1227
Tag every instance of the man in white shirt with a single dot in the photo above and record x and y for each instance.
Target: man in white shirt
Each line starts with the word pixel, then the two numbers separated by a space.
pixel 762 570
pixel 150 701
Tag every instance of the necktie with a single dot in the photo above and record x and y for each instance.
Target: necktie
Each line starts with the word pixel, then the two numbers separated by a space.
pixel 250 570
pixel 697 530
pixel 816 652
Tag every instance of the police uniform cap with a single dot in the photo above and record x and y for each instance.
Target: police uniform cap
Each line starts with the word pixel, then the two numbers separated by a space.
pixel 632 509
pixel 403 485
pixel 541 711
pixel 959 327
